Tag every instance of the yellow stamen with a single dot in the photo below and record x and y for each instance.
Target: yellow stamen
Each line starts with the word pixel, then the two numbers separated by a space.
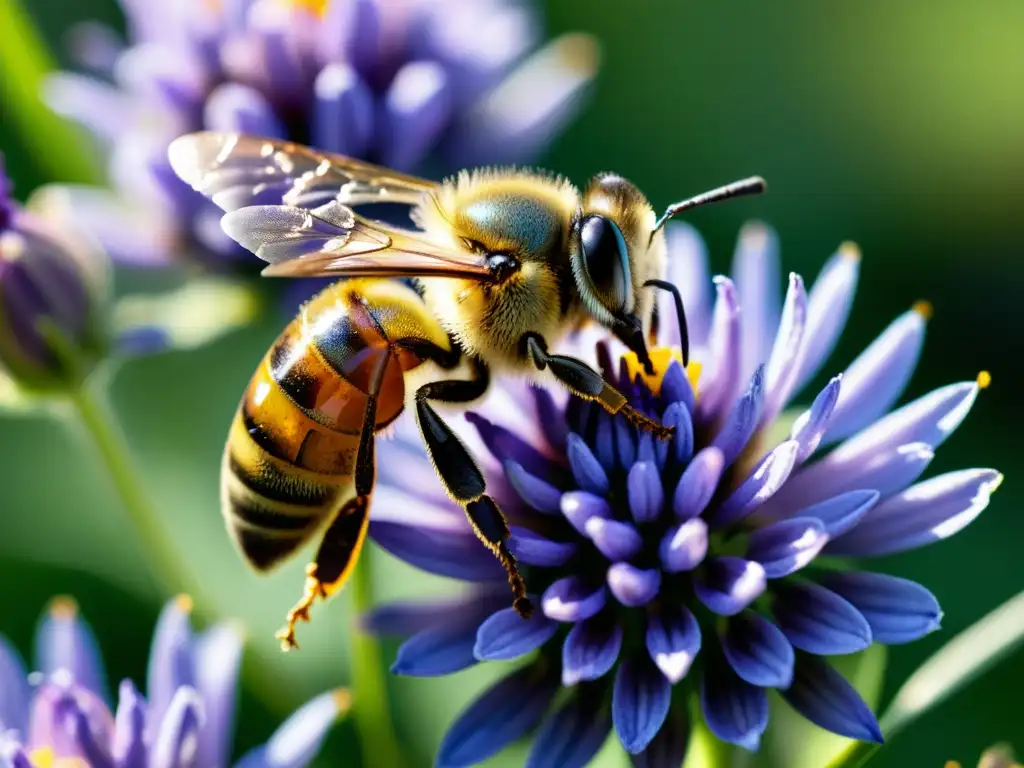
pixel 63 607
pixel 342 700
pixel 984 379
pixel 849 250
pixel 661 358
pixel 44 757
pixel 924 309
pixel 953 764
pixel 316 7
pixel 184 603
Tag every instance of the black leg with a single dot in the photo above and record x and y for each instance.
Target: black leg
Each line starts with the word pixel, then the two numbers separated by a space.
pixel 684 333
pixel 343 541
pixel 462 479
pixel 583 381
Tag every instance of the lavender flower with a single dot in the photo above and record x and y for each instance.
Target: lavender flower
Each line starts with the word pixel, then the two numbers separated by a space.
pixel 688 567
pixel 424 85
pixel 61 715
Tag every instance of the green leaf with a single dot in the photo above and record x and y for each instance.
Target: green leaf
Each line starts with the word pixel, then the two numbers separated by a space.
pixel 56 146
pixel 795 742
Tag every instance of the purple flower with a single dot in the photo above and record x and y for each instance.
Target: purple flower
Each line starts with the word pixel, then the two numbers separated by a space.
pixel 690 564
pixel 427 86
pixel 62 713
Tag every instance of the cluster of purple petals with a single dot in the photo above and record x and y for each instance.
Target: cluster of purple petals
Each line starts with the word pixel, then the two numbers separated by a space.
pixel 714 564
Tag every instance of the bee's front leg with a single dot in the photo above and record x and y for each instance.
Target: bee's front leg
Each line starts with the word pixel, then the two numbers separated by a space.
pixel 583 381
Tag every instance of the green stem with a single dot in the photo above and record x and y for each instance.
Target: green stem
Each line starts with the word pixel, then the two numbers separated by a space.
pixel 377 741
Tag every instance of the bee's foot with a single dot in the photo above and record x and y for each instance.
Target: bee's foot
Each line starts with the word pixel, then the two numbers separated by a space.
pixel 640 421
pixel 312 590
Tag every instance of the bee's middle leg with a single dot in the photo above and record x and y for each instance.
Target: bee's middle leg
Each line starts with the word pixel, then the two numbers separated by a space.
pixel 461 476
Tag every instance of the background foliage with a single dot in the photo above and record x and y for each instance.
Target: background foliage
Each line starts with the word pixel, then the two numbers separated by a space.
pixel 897 125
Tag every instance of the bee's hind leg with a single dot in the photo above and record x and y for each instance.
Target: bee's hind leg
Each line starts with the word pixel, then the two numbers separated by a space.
pixel 343 541
pixel 463 479
pixel 583 381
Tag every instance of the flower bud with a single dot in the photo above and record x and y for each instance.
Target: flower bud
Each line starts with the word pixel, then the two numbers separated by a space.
pixel 53 289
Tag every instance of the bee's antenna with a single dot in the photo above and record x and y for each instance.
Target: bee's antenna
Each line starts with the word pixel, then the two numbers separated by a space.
pixel 755 185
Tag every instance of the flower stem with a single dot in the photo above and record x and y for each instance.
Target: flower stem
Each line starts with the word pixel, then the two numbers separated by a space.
pixel 109 441
pixel 377 741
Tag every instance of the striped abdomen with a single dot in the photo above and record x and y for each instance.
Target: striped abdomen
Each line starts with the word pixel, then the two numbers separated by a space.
pixel 289 458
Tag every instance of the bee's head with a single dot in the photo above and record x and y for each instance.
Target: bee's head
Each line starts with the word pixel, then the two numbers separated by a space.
pixel 613 255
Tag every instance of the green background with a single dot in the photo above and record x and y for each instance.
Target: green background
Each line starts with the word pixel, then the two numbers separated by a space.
pixel 897 125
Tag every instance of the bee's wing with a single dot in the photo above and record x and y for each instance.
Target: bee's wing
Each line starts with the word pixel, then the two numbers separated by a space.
pixel 235 170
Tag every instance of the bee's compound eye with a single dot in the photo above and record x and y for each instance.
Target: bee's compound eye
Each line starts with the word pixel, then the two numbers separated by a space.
pixel 606 260
pixel 501 265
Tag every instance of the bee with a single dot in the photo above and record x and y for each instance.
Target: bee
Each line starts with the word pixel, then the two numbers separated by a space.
pixel 507 261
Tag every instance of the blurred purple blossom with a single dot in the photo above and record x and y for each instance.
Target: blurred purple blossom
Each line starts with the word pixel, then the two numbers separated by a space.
pixel 420 85
pixel 692 562
pixel 63 710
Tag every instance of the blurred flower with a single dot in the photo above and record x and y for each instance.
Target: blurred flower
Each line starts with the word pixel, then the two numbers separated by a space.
pixel 53 295
pixel 649 557
pixel 1000 756
pixel 425 85
pixel 61 716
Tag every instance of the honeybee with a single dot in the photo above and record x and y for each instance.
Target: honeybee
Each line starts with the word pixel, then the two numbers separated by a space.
pixel 507 261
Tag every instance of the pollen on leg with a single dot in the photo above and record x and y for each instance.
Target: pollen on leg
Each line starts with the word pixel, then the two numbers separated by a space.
pixel 312 589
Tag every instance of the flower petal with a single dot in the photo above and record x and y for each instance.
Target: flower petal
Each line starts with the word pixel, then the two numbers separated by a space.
pixel 233 107
pixel 755 270
pixel 742 420
pixel 644 491
pixel 677 417
pixel 439 650
pixel 734 710
pixel 688 271
pixel 177 735
pixel 579 506
pixel 589 474
pixel 698 483
pixel 439 549
pixel 65 641
pixel 571 736
pixel 572 599
pixel 810 426
pixel 633 586
pixel 298 740
pixel 408 618
pixel 758 651
pixel 505 445
pixel 787 546
pixel 677 390
pixel 129 748
pixel 720 384
pixel 898 610
pixel 14 689
pixel 817 620
pixel 171 662
pixel 533 549
pixel 419 105
pixel 685 546
pixel 505 712
pixel 615 540
pixel 342 110
pixel 929 511
pixel 507 635
pixel 823 696
pixel 70 720
pixel 727 585
pixel 673 640
pixel 218 658
pixel 591 649
pixel 640 701
pixel 784 363
pixel 875 380
pixel 669 745
pixel 551 419
pixel 841 513
pixel 766 479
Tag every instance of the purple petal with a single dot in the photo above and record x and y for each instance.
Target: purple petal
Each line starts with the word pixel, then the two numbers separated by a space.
pixel 406 619
pixel 419 105
pixel 783 365
pixel 734 710
pixel 507 635
pixel 439 650
pixel 787 546
pixel 810 426
pixel 457 554
pixel 644 491
pixel 688 271
pixel 505 712
pixel 238 108
pixel 589 474
pixel 14 689
pixel 875 380
pixel 929 511
pixel 820 694
pixel 65 641
pixel 719 385
pixel 218 655
pixel 742 420
pixel 297 741
pixel 817 620
pixel 604 441
pixel 571 736
pixel 572 599
pixel 633 586
pixel 615 540
pixel 758 651
pixel 507 446
pixel 640 702
pixel 171 660
pixel 727 585
pixel 898 611
pixel 70 720
pixel 591 649
pixel 579 506
pixel 342 111
pixel 669 746
pixel 673 640
pixel 698 483
pixel 755 270
pixel 129 748
pixel 178 730
pixel 684 546
pixel 533 549
pixel 677 417
pixel 760 486
pixel 828 307
pixel 841 513
pixel 676 389
pixel 537 493
pixel 625 442
pixel 100 107
pixel 551 419
pixel 352 32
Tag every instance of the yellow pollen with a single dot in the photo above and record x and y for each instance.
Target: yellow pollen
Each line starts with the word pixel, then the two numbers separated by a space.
pixel 661 359
pixel 43 757
pixel 984 379
pixel 953 764
pixel 316 7
pixel 850 250
pixel 342 700
pixel 184 603
pixel 63 607
pixel 924 309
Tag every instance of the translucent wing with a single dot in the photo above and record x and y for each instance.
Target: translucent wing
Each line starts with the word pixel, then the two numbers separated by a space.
pixel 235 170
